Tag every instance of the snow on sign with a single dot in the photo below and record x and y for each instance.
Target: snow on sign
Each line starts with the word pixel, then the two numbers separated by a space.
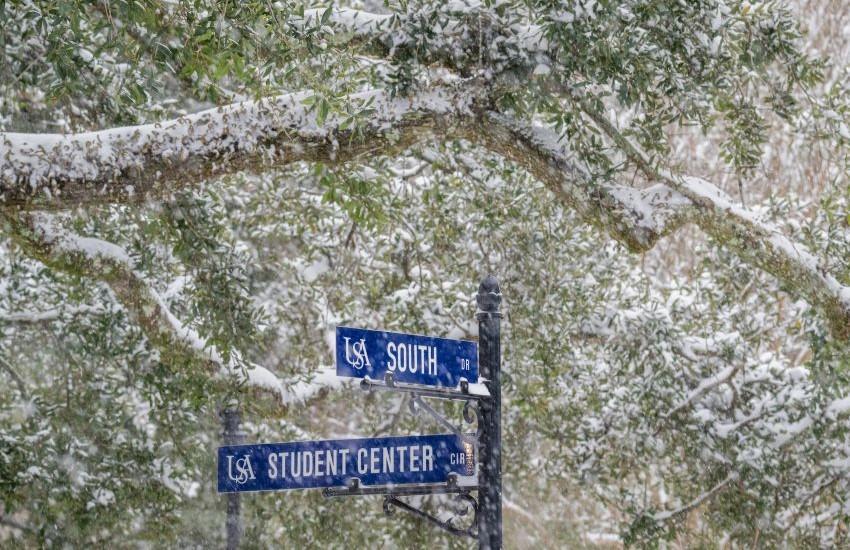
pixel 410 358
pixel 375 461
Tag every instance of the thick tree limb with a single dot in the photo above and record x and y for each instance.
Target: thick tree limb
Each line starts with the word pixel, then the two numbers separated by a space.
pixel 756 241
pixel 100 260
pixel 49 315
pixel 56 170
pixel 637 218
pixel 43 170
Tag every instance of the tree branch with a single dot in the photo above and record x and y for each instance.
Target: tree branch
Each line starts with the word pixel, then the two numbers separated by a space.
pixel 756 241
pixel 705 386
pixel 48 316
pixel 22 387
pixel 100 260
pixel 663 516
pixel 637 218
pixel 56 170
pixel 118 164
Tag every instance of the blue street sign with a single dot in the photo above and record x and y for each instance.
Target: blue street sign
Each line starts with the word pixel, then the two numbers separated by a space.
pixel 376 461
pixel 410 358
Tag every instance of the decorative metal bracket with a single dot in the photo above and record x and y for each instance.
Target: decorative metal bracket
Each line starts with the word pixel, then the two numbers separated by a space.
pixel 447 525
pixel 475 396
pixel 354 488
pixel 417 401
pixel 392 493
pixel 466 392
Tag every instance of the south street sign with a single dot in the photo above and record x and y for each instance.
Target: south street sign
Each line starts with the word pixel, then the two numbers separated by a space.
pixel 408 357
pixel 377 461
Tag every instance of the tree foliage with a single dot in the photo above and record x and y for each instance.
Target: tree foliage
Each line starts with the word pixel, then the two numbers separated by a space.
pixel 374 162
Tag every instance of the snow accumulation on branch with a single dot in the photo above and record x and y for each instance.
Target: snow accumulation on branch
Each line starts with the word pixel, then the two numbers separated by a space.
pixel 834 411
pixel 756 241
pixel 706 385
pixel 61 249
pixel 48 315
pixel 640 217
pixel 58 170
pixel 136 161
pixel 764 245
pixel 663 516
pixel 636 217
pixel 305 390
pixel 360 23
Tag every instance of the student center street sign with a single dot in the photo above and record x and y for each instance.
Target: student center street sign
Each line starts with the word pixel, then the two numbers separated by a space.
pixel 456 462
pixel 378 461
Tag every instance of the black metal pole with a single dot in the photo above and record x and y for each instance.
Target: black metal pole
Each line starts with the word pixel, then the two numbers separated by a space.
pixel 490 447
pixel 232 435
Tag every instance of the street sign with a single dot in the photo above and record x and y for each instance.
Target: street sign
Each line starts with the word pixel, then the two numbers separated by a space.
pixel 410 358
pixel 376 461
pixel 397 466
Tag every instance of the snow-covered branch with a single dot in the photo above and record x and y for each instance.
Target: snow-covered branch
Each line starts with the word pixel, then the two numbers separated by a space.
pixel 763 245
pixel 57 170
pixel 663 516
pixel 756 241
pixel 359 23
pixel 706 385
pixel 639 217
pixel 138 161
pixel 60 249
pixel 49 315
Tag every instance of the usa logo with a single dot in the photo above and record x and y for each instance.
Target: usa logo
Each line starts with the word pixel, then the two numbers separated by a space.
pixel 356 354
pixel 244 470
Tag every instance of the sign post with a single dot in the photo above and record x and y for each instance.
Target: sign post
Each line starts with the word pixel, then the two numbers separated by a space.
pixel 490 356
pixel 232 435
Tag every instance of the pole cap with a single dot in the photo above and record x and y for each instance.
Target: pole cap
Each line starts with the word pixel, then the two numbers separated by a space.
pixel 489 295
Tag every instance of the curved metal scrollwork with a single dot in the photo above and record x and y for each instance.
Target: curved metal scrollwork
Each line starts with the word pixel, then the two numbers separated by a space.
pixel 448 525
pixel 388 508
pixel 462 501
pixel 472 415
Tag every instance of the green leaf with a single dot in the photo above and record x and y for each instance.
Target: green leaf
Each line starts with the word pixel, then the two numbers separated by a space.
pixel 326 15
pixel 322 112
